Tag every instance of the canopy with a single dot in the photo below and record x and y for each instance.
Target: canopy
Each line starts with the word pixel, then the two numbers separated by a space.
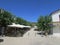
pixel 18 26
pixel 27 27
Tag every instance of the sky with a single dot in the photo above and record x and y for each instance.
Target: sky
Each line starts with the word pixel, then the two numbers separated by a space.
pixel 30 10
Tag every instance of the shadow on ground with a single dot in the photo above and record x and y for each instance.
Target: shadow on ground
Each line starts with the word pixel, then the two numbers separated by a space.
pixel 1 40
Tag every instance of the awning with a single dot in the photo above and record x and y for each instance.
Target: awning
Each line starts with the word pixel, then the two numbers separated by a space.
pixel 18 26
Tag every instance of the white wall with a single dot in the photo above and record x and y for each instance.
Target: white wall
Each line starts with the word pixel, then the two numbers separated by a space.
pixel 56 29
pixel 55 17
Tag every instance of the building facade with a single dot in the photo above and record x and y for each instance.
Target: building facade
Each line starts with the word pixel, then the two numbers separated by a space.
pixel 56 22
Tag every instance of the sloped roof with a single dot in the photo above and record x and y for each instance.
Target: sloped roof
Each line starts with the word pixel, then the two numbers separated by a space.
pixel 55 11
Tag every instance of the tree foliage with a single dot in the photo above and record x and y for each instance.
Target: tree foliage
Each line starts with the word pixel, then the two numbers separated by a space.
pixel 22 21
pixel 44 23
pixel 6 18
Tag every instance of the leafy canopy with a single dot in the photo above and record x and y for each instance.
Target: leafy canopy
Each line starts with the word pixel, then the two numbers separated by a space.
pixel 44 23
pixel 5 18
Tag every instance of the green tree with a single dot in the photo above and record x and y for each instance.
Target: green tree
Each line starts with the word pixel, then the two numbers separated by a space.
pixel 6 18
pixel 44 23
pixel 22 21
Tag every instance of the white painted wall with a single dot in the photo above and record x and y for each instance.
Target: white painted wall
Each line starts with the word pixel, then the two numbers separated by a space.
pixel 55 17
pixel 56 29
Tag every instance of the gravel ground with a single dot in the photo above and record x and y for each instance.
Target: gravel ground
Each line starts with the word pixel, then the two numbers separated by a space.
pixel 30 41
pixel 31 38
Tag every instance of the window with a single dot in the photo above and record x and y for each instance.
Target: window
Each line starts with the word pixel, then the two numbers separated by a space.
pixel 59 17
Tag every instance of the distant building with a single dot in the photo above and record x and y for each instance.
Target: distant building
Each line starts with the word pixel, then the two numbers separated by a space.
pixel 56 22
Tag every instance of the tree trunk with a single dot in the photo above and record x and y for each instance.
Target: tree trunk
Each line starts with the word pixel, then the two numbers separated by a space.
pixel 15 32
pixel 3 28
pixel 46 33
